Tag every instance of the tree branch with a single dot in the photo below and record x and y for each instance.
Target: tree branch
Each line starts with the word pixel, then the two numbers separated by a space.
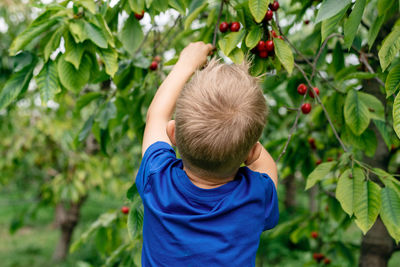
pixel 216 25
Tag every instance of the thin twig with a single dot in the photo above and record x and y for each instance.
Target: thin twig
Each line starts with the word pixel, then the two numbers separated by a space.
pixel 216 25
pixel 364 60
pixel 314 67
pixel 144 40
pixel 168 32
pixel 323 107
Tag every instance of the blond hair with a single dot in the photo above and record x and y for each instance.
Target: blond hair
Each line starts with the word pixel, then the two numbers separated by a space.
pixel 220 115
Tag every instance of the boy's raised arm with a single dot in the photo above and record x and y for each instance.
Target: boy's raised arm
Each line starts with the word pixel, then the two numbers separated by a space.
pixel 163 104
pixel 265 164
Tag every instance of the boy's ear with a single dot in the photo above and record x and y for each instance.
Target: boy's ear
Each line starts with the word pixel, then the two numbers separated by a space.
pixel 254 154
pixel 171 131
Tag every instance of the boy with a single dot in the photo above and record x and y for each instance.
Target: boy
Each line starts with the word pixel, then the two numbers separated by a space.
pixel 204 210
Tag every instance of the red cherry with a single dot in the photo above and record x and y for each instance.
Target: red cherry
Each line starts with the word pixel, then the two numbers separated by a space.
pixel 319 161
pixel 306 22
pixel 302 89
pixel 235 26
pixel 261 46
pixel 329 159
pixel 327 261
pixel 318 257
pixel 125 209
pixel 311 94
pixel 139 16
pixel 311 141
pixel 263 54
pixel 153 65
pixel 280 37
pixel 274 6
pixel 314 234
pixel 269 15
pixel 273 33
pixel 306 108
pixel 270 45
pixel 223 27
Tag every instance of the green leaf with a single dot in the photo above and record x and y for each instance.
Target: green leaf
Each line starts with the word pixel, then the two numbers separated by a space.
pixel 374 30
pixel 87 127
pixel 319 173
pixel 258 8
pixel 192 16
pixel 88 4
pixel 389 49
pixel 77 29
pixel 375 106
pixel 392 83
pixel 33 31
pixel 230 41
pixel 17 84
pixel 348 188
pixel 107 112
pixel 367 141
pixel 71 78
pixel 136 5
pixel 383 6
pixel 338 57
pixel 384 130
pixel 328 26
pixel 351 25
pixel 178 5
pixel 237 56
pixel 135 220
pixel 367 205
pixel 356 113
pixel 253 37
pixel 47 82
pixel 330 8
pixel 73 51
pixel 110 59
pixel 284 54
pixel 53 43
pixel 86 99
pixel 358 75
pixel 131 35
pixel 390 212
pixel 96 35
pixel 396 115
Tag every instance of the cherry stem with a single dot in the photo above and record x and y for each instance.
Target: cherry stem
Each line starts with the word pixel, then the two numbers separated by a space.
pixel 221 7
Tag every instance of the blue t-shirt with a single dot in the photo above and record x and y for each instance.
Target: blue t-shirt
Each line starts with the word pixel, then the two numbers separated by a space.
pixel 185 225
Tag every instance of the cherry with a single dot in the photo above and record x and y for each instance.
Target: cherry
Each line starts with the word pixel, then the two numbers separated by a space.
pixel 311 94
pixel 261 46
pixel 327 261
pixel 157 58
pixel 270 45
pixel 273 33
pixel 311 141
pixel 263 54
pixel 223 27
pixel 280 37
pixel 314 234
pixel 269 15
pixel 139 16
pixel 274 6
pixel 125 209
pixel 306 108
pixel 235 26
pixel 153 65
pixel 329 159
pixel 319 161
pixel 306 22
pixel 302 89
pixel 318 257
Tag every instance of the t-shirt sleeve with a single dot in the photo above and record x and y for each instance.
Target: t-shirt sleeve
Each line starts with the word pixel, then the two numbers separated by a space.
pixel 157 156
pixel 271 210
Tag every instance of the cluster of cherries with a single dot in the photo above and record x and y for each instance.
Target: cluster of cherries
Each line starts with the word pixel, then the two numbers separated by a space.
pixel 318 257
pixel 302 89
pixel 232 26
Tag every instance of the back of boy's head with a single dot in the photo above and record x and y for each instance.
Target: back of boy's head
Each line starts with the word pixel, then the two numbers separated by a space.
pixel 220 115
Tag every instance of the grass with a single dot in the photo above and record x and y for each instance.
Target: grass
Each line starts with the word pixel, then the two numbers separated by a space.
pixel 34 243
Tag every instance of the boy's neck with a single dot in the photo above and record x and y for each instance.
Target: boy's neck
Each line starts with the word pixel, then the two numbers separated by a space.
pixel 207 183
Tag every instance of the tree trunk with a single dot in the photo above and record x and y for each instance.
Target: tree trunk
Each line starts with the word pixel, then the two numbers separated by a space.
pixel 377 246
pixel 290 193
pixel 66 219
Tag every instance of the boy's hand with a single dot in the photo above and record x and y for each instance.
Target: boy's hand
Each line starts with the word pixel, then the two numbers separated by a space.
pixel 194 56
